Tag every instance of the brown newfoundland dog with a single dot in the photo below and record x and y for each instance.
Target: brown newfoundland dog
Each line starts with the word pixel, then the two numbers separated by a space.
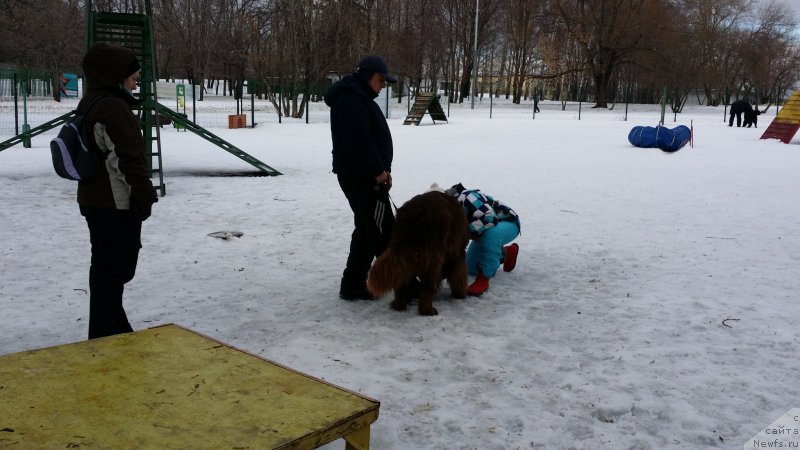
pixel 428 243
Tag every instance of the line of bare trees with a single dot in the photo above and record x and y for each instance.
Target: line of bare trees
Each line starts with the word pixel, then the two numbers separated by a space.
pixel 593 50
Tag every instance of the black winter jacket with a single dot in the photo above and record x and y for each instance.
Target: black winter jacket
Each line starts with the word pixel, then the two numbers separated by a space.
pixel 362 142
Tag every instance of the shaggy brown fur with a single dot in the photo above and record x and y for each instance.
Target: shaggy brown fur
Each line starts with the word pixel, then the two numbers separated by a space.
pixel 428 242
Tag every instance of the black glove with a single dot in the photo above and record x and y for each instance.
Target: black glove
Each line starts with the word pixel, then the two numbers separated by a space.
pixel 141 208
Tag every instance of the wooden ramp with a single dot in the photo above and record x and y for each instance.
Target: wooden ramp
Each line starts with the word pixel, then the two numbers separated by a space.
pixel 425 102
pixel 787 122
pixel 169 387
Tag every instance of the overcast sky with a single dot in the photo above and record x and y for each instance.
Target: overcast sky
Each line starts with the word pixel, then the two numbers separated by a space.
pixel 793 4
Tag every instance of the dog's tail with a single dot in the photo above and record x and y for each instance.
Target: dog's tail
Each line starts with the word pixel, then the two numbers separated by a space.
pixel 389 271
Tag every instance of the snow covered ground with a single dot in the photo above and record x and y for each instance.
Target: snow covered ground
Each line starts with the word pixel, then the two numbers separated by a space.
pixel 654 304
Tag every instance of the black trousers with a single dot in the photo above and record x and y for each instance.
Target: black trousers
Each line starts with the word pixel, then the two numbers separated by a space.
pixel 373 220
pixel 738 119
pixel 116 239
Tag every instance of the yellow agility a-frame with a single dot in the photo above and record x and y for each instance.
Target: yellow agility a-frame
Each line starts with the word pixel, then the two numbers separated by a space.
pixel 787 122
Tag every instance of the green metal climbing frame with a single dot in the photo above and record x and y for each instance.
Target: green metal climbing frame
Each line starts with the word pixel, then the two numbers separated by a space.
pixel 135 31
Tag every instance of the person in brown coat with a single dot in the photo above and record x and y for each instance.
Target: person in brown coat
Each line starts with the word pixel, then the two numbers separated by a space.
pixel 119 199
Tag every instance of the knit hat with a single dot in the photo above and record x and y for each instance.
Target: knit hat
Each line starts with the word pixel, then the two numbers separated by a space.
pixel 133 68
pixel 375 64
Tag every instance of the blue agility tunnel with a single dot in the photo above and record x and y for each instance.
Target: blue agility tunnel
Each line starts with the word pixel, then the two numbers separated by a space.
pixel 667 139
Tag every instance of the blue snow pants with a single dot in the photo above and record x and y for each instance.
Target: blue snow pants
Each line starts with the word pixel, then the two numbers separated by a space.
pixel 486 253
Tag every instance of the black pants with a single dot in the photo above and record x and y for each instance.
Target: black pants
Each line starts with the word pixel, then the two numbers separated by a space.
pixel 116 239
pixel 738 119
pixel 373 220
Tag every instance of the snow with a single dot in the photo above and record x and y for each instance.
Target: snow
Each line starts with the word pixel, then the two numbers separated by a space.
pixel 653 305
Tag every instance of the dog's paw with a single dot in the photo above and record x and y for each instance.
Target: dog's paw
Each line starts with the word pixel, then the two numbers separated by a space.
pixel 459 294
pixel 398 305
pixel 428 312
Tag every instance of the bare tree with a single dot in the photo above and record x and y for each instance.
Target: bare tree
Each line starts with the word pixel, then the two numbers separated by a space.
pixel 456 16
pixel 187 31
pixel 295 52
pixel 712 42
pixel 520 19
pixel 771 53
pixel 464 12
pixel 579 48
pixel 608 32
pixel 23 44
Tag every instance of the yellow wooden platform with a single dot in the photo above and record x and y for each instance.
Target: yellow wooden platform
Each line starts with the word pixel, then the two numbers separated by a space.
pixel 170 388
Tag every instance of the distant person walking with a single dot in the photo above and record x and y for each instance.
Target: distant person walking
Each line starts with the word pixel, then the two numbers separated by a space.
pixel 536 102
pixel 362 161
pixel 119 199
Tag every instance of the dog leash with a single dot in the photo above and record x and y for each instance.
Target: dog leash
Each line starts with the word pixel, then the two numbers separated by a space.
pixel 392 202
pixel 382 187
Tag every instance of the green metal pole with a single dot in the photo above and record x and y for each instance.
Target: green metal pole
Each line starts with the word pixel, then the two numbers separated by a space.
pixel 725 98
pixel 194 102
pixel 675 111
pixel 388 92
pixel 449 95
pixel 26 140
pixel 16 104
pixel 306 99
pixel 663 103
pixel 627 100
pixel 491 102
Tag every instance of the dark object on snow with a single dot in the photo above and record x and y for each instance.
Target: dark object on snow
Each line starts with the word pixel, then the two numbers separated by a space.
pixel 226 235
pixel 667 139
pixel 751 118
pixel 751 114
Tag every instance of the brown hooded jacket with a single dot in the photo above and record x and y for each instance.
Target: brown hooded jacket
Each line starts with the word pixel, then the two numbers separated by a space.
pixel 124 181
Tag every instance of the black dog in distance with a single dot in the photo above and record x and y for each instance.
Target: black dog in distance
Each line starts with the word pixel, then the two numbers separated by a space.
pixel 742 107
pixel 751 118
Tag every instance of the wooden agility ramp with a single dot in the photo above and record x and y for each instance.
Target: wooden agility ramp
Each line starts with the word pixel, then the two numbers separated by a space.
pixel 425 102
pixel 787 122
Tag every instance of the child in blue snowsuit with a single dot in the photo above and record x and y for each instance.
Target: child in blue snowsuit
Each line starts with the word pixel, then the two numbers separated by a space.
pixel 492 225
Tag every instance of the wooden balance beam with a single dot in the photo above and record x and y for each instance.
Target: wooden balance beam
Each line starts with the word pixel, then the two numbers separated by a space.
pixel 170 387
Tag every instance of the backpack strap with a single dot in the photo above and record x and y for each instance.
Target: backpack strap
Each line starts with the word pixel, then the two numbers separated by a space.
pixel 83 125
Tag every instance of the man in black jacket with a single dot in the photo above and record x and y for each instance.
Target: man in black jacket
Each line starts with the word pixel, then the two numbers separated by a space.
pixel 362 162
pixel 738 108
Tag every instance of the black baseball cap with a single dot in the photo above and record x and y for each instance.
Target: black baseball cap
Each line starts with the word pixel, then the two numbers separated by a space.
pixel 375 64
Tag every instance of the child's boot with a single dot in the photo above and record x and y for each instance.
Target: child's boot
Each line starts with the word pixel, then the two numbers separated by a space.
pixel 510 259
pixel 479 286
